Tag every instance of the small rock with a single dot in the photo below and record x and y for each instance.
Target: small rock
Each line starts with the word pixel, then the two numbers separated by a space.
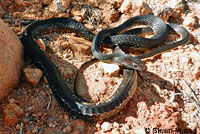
pixel 67 129
pixel 80 45
pixel 11 119
pixel 11 114
pixel 58 6
pixel 110 69
pixel 106 126
pixel 98 125
pixel 33 75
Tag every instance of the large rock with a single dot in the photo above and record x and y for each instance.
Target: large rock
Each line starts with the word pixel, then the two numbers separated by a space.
pixel 1 11
pixel 11 60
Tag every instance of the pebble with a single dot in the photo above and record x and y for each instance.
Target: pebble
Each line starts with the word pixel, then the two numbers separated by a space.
pixel 33 75
pixel 12 112
pixel 80 45
pixel 106 126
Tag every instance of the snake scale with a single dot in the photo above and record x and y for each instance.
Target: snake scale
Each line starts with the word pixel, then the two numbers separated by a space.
pixel 61 91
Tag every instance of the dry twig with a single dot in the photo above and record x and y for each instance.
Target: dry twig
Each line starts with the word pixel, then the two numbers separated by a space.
pixel 50 99
pixel 21 128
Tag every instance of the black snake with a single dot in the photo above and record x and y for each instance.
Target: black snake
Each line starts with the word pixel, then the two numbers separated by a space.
pixel 155 24
pixel 61 91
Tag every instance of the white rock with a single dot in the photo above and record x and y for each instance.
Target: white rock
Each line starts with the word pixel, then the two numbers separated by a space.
pixel 110 69
pixel 106 126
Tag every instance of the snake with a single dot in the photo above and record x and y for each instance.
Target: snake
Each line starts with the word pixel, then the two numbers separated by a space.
pixel 172 28
pixel 154 24
pixel 62 93
pixel 60 90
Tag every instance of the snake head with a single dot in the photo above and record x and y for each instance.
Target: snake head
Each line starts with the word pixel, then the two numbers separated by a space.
pixel 129 62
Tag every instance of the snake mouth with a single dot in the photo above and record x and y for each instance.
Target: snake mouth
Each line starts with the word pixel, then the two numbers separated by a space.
pixel 135 67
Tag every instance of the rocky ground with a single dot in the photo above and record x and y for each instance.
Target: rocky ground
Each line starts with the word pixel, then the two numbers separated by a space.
pixel 169 98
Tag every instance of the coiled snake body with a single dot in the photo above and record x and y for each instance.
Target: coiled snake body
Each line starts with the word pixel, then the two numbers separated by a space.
pixel 61 91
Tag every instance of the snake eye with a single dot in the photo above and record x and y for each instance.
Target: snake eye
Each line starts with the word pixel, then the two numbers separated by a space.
pixel 135 66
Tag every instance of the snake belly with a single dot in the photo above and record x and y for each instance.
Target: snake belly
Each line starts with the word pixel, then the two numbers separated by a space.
pixel 61 91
